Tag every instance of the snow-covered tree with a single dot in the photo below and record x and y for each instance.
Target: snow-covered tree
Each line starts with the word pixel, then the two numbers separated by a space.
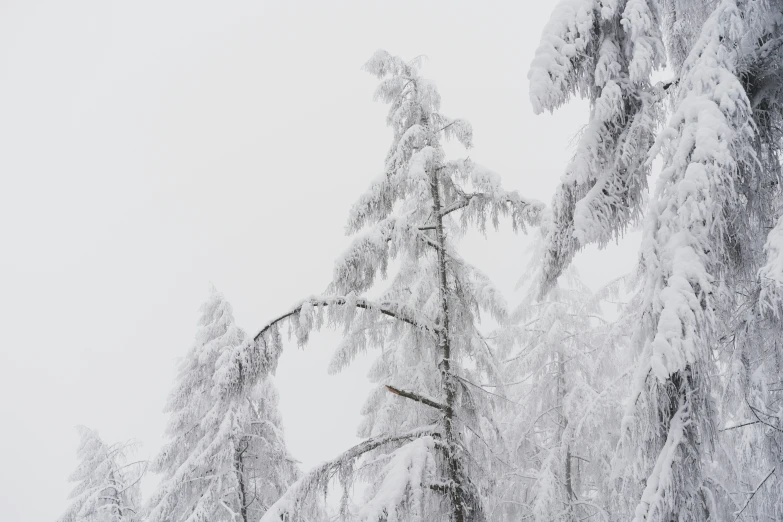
pixel 107 486
pixel 425 456
pixel 709 300
pixel 565 369
pixel 226 458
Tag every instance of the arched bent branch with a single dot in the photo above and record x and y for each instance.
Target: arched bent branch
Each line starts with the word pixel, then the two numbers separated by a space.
pixel 393 310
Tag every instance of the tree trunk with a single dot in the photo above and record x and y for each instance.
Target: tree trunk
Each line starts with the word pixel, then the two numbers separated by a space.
pixel 447 379
pixel 116 496
pixel 562 423
pixel 239 469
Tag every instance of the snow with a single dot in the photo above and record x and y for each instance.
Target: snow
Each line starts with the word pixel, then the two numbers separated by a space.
pixel 566 36
pixel 657 496
pixel 771 273
pixel 405 478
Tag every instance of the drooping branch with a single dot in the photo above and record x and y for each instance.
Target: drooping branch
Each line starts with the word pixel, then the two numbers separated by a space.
pixel 295 497
pixel 394 310
pixel 415 397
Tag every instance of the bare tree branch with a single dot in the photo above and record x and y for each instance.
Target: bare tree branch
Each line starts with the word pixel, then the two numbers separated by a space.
pixel 414 397
pixel 739 425
pixel 756 412
pixel 747 502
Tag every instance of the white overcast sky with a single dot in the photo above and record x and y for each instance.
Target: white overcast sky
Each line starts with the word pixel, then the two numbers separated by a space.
pixel 148 148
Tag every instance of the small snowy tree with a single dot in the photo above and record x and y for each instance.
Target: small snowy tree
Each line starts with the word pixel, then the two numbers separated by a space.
pixel 425 455
pixel 107 487
pixel 226 459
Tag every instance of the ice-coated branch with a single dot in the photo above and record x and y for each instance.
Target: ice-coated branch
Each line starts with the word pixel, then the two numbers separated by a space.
pixel 415 397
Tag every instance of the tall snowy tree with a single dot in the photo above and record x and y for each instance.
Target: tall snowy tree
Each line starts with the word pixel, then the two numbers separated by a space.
pixel 107 486
pixel 226 459
pixel 707 295
pixel 425 454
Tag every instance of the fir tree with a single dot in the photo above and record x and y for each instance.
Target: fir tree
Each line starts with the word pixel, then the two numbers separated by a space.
pixel 226 458
pixel 107 487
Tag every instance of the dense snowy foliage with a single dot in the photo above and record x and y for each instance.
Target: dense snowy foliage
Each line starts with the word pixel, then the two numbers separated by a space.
pixel 226 457
pixel 605 51
pixel 708 283
pixel 107 485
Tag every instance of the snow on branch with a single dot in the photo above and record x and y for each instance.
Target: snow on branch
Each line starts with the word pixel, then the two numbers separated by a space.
pixel 605 51
pixel 396 311
pixel 487 200
pixel 249 360
pixel 657 496
pixel 771 274
pixel 554 73
pixel 369 254
pixel 686 236
pixel 406 478
pixel 296 500
pixel 640 21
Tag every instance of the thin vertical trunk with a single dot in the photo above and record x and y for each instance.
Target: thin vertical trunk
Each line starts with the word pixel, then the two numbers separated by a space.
pixel 447 380
pixel 239 468
pixel 561 426
pixel 116 496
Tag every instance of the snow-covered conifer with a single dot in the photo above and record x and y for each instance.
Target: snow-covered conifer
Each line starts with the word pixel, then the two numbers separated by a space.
pixel 225 459
pixel 709 301
pixel 565 371
pixel 107 486
pixel 426 450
